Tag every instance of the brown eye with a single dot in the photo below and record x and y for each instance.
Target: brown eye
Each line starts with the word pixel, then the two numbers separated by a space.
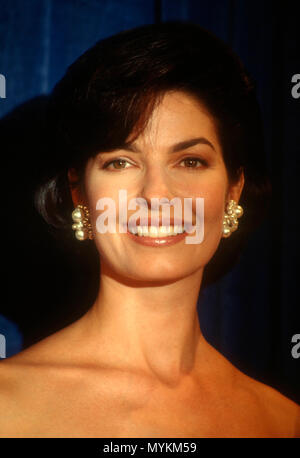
pixel 119 162
pixel 191 162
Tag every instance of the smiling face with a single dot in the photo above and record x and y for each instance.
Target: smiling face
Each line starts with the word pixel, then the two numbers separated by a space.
pixel 177 155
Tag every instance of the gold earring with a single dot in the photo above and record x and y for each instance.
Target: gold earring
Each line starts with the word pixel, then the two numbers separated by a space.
pixel 230 221
pixel 82 226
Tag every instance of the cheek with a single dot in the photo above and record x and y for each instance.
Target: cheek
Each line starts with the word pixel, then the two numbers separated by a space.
pixel 214 205
pixel 214 202
pixel 96 190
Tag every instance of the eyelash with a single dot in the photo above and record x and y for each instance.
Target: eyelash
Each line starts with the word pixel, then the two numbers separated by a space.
pixel 202 161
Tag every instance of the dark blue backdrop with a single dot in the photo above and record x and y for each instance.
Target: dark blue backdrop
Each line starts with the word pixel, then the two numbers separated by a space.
pixel 252 314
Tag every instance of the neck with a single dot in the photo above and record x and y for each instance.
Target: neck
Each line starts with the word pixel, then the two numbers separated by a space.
pixel 148 327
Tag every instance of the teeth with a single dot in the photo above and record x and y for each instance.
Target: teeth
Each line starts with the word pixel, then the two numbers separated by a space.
pixel 154 231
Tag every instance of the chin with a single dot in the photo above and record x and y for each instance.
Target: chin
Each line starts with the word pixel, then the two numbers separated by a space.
pixel 161 272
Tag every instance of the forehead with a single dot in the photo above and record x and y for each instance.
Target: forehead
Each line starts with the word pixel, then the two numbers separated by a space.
pixel 178 117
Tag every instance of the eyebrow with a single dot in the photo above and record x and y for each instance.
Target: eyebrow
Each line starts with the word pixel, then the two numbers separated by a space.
pixel 175 148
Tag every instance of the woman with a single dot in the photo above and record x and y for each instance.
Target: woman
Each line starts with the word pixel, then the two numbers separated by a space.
pixel 162 111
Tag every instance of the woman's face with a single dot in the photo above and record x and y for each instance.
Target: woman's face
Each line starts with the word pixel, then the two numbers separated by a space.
pixel 156 165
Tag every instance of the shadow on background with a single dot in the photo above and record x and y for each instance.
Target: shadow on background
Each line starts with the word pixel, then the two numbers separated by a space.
pixel 45 286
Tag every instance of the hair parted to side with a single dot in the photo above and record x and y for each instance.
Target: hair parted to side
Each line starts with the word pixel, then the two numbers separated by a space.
pixel 110 92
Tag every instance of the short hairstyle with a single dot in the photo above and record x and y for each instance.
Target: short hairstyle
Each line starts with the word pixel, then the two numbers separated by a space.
pixel 110 92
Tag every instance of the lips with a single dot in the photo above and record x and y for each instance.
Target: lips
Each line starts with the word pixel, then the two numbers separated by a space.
pixel 157 242
pixel 160 241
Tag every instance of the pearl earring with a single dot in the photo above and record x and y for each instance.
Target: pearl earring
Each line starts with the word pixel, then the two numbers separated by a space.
pixel 230 221
pixel 82 226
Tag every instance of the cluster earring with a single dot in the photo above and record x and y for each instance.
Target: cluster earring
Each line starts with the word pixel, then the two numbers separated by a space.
pixel 230 221
pixel 82 225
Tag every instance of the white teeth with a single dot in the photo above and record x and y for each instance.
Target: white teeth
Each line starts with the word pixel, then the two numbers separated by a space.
pixel 154 231
pixel 178 229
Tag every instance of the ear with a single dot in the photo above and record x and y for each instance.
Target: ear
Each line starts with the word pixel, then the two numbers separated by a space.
pixel 235 189
pixel 74 190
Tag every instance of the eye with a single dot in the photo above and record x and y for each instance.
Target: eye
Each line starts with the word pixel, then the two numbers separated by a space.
pixel 119 162
pixel 191 162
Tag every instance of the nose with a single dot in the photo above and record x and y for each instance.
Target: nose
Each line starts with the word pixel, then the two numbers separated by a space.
pixel 156 184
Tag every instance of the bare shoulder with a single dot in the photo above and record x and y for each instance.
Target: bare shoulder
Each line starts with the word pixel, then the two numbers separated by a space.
pixel 277 410
pixel 265 408
pixel 283 411
pixel 11 387
pixel 29 381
